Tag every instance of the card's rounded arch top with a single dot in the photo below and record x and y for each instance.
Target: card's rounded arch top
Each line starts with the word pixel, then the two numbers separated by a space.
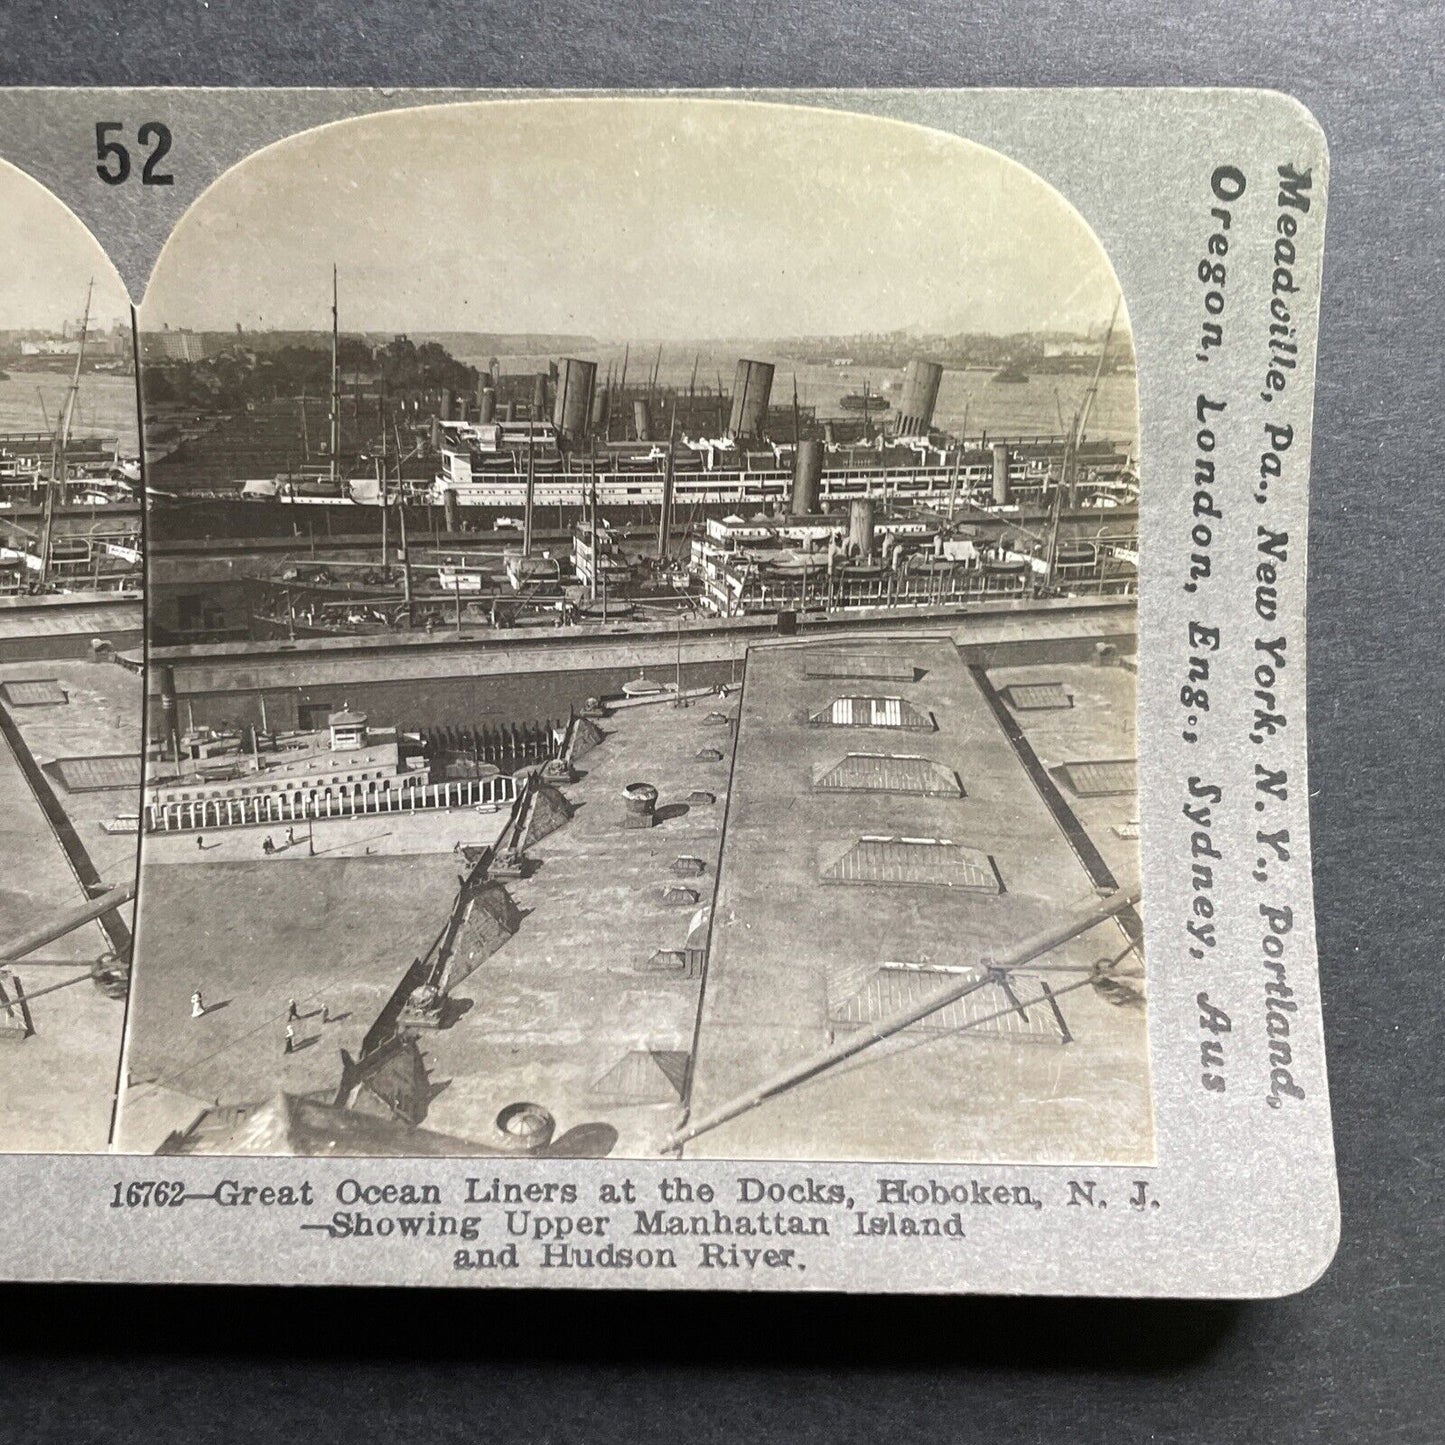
pixel 769 193
pixel 50 134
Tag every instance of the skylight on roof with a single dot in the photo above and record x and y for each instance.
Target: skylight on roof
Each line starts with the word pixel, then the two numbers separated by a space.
pixel 1101 779
pixel 857 664
pixel 1037 696
pixel 97 774
pixel 32 692
pixel 889 773
pixel 913 862
pixel 872 712
pixel 1008 1006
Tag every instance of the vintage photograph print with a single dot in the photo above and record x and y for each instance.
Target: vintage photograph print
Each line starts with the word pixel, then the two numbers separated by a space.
pixel 71 689
pixel 642 625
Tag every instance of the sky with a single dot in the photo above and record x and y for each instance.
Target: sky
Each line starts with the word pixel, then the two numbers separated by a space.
pixel 660 218
pixel 46 259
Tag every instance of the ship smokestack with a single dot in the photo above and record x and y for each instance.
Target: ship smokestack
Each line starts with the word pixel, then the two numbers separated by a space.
pixel 807 478
pixel 170 720
pixel 752 389
pixel 1000 474
pixel 642 420
pixel 487 410
pixel 572 410
pixel 921 381
pixel 539 396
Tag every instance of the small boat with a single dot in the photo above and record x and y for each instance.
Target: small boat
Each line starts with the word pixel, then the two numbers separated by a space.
pixel 863 401
pixel 1011 375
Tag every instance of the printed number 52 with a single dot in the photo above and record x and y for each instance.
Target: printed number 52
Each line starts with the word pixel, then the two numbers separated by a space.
pixel 113 159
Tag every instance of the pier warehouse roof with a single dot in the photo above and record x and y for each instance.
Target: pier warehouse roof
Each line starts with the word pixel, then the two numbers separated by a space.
pixel 590 1006
pixel 730 881
pixel 875 832
pixel 873 848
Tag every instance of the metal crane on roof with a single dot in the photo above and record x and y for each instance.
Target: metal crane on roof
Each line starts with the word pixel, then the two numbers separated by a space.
pixel 110 972
pixel 1120 906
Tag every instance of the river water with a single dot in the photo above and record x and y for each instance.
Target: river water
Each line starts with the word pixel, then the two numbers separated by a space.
pixel 30 401
pixel 1042 404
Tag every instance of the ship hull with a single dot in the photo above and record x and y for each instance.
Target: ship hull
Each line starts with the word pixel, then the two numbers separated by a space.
pixel 562 499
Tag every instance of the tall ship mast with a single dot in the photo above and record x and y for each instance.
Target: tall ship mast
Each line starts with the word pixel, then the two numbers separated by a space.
pixel 335 439
pixel 55 486
pixel 1081 416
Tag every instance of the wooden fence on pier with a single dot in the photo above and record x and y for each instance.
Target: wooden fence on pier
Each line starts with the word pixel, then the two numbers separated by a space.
pixel 299 805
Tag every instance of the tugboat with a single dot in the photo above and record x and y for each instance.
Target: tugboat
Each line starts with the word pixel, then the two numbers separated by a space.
pixel 1011 375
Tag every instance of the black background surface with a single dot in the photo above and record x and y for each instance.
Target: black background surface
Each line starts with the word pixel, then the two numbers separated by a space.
pixel 1356 1358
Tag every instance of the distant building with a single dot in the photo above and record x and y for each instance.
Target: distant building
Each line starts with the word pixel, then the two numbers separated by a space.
pixel 1071 349
pixel 99 346
pixel 50 346
pixel 170 345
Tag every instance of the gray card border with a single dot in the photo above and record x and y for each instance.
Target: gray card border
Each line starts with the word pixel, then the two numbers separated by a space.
pixel 1249 1203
